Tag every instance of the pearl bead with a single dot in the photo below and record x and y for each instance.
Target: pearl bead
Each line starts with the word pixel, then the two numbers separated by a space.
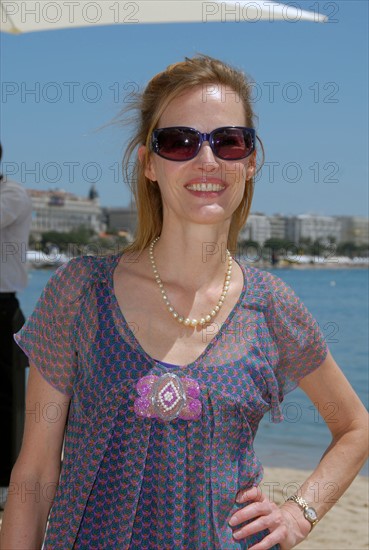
pixel 187 321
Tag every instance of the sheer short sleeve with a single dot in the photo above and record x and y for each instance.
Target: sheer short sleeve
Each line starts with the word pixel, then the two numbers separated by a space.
pixel 300 342
pixel 47 337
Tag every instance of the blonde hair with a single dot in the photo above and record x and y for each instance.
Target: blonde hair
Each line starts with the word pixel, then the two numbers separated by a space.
pixel 150 105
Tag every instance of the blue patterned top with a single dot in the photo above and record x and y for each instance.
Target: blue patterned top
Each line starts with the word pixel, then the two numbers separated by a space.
pixel 132 482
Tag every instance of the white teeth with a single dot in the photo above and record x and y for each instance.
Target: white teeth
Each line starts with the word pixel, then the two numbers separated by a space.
pixel 205 187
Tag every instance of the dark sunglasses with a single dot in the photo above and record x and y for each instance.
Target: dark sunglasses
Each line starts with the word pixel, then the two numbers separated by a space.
pixel 181 143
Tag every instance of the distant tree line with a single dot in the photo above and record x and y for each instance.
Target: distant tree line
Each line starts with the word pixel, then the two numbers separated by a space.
pixel 274 249
pixel 84 240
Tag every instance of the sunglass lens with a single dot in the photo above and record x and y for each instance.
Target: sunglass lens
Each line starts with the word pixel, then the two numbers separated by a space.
pixel 177 143
pixel 232 143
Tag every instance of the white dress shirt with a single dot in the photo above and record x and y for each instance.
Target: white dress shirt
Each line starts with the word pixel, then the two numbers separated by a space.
pixel 15 224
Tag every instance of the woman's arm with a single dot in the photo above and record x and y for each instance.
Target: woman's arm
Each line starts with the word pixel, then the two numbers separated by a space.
pixel 35 475
pixel 330 391
pixel 347 419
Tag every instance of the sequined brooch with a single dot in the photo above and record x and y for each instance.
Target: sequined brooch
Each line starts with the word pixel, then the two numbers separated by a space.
pixel 167 397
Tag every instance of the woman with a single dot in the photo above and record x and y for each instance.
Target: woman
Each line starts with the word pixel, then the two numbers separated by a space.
pixel 162 360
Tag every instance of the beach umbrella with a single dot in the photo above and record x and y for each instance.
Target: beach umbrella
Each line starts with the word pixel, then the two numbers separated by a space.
pixel 22 16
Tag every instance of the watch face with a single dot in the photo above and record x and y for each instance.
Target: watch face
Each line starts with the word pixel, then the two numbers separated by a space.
pixel 310 515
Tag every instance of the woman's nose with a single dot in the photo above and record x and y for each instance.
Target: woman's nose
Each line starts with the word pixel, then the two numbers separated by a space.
pixel 206 156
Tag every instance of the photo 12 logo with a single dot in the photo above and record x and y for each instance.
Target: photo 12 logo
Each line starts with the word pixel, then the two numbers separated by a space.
pixel 69 12
pixel 68 172
pixel 68 92
pixel 254 11
pixel 275 92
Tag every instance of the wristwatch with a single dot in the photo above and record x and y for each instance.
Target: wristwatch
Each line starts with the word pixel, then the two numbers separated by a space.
pixel 309 512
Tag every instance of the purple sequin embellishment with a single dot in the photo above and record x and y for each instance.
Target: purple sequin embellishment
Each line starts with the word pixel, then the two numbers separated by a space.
pixel 167 397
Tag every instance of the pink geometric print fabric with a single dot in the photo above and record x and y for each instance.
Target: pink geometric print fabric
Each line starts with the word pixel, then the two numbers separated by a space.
pixel 138 483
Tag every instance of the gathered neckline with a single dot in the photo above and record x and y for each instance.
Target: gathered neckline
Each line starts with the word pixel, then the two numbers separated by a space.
pixel 120 320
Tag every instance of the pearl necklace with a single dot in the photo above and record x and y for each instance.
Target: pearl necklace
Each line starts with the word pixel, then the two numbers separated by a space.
pixel 185 320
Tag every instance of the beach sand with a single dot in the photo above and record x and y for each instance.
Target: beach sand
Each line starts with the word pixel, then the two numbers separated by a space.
pixel 345 527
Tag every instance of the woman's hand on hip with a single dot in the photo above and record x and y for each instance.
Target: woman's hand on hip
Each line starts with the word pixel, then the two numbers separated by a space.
pixel 283 523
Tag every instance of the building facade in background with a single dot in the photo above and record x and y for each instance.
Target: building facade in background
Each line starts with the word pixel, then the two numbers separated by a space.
pixel 306 227
pixel 325 229
pixel 257 228
pixel 120 220
pixel 278 226
pixel 354 229
pixel 57 210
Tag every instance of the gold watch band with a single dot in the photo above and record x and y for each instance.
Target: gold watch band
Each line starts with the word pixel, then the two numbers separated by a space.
pixel 308 511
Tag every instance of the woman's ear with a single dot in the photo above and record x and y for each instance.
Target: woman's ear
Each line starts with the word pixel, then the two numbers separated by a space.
pixel 147 163
pixel 251 166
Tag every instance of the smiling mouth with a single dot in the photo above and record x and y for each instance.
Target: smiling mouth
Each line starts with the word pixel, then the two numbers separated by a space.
pixel 205 187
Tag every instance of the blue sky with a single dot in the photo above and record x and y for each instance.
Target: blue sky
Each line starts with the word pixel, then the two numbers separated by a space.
pixel 311 98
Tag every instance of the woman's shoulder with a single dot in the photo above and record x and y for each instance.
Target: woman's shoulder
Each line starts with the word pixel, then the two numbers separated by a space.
pixel 262 283
pixel 79 273
pixel 83 266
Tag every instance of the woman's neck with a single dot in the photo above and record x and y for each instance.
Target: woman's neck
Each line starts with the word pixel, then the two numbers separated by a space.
pixel 192 256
